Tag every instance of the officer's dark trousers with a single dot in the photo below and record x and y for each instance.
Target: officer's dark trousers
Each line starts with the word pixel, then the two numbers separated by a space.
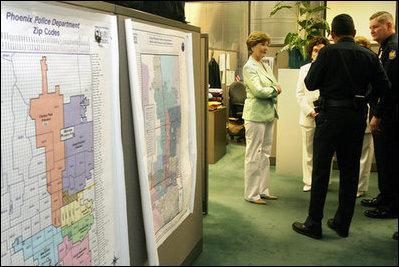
pixel 339 130
pixel 386 156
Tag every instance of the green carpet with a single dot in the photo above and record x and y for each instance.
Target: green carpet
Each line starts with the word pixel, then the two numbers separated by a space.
pixel 237 232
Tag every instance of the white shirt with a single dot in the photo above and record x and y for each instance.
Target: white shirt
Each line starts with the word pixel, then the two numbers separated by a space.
pixel 305 98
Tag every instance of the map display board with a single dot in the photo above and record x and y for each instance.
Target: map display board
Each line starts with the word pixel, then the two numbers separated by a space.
pixel 62 178
pixel 162 89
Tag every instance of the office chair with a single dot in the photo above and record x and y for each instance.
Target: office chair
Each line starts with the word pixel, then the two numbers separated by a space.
pixel 237 96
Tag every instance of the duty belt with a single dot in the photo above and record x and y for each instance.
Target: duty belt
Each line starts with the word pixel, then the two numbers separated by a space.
pixel 357 102
pixel 342 103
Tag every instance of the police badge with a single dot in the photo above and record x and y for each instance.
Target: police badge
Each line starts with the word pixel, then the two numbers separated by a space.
pixel 392 54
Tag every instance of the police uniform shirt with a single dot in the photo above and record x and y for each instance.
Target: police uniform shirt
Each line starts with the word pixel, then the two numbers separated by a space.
pixel 355 66
pixel 389 59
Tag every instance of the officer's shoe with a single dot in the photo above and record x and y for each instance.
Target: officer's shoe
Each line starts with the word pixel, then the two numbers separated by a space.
pixel 342 233
pixel 395 236
pixel 370 202
pixel 305 230
pixel 380 214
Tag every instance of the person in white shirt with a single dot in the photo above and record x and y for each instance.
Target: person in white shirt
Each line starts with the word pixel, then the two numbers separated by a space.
pixel 308 113
pixel 368 147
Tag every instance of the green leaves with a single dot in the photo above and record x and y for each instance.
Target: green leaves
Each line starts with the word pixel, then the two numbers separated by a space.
pixel 292 41
pixel 277 8
pixel 310 26
pixel 318 9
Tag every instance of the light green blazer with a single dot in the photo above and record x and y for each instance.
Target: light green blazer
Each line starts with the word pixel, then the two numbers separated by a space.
pixel 261 92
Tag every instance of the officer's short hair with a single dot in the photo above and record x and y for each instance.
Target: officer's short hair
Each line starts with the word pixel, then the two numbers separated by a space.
pixel 343 25
pixel 316 41
pixel 383 17
pixel 255 38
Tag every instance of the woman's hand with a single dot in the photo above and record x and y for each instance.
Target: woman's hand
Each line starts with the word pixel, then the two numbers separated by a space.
pixel 314 114
pixel 279 89
pixel 375 125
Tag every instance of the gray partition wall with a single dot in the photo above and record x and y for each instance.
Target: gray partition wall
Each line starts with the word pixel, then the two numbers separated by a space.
pixel 204 118
pixel 185 243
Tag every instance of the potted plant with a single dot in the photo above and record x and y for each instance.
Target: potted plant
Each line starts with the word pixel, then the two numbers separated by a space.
pixel 308 27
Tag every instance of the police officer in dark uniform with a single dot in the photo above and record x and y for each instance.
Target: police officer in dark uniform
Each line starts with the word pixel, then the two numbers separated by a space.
pixel 342 73
pixel 386 137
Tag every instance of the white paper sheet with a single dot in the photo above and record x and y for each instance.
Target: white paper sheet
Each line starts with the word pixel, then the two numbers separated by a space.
pixel 62 161
pixel 162 86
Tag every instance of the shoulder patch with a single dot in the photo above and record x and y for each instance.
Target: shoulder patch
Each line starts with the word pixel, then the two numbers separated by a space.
pixel 392 54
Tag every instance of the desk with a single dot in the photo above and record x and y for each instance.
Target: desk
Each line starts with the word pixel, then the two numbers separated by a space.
pixel 216 134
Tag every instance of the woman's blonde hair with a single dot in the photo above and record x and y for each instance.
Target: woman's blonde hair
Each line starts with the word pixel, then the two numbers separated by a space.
pixel 255 38
pixel 363 41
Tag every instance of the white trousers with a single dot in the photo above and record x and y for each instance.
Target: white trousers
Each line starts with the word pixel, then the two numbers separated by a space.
pixel 366 160
pixel 259 138
pixel 307 154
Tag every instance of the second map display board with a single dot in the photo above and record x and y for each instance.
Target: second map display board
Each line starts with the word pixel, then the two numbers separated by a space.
pixel 162 88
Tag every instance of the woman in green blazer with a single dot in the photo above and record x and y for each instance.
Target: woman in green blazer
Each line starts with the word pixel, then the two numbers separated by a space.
pixel 259 113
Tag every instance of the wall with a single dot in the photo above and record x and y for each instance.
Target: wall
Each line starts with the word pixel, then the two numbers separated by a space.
pixel 289 138
pixel 360 13
pixel 277 26
pixel 226 24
